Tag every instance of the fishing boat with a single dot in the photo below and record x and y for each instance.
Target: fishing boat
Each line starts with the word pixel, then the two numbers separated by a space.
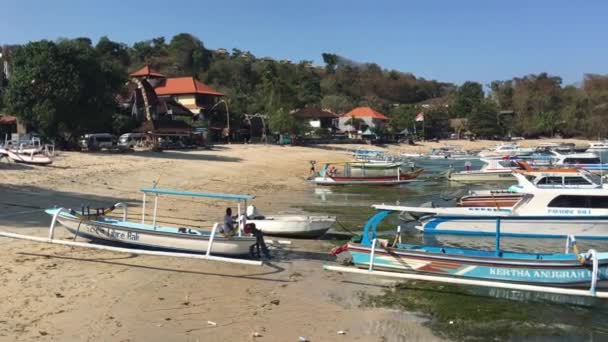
pixel 451 152
pixel 492 170
pixel 503 150
pixel 541 212
pixel 302 226
pixel 98 226
pixel 489 268
pixel 329 175
pixel 376 164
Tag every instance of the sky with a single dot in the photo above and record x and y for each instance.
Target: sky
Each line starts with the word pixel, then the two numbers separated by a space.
pixel 448 40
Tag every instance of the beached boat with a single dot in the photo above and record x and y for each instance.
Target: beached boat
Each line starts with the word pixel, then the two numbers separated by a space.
pixel 545 269
pixel 492 170
pixel 541 212
pixel 31 158
pixel 329 175
pixel 304 226
pixel 100 227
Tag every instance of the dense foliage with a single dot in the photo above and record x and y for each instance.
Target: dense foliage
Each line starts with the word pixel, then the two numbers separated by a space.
pixel 68 87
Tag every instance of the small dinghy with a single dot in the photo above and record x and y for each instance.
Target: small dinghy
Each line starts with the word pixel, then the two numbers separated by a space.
pixel 31 158
pixel 290 225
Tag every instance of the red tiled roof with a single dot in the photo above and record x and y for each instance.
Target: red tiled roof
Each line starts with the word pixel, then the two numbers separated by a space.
pixel 184 85
pixel 147 71
pixel 366 112
pixel 7 120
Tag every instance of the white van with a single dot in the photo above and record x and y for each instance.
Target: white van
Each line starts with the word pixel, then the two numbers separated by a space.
pixel 130 140
pixel 96 141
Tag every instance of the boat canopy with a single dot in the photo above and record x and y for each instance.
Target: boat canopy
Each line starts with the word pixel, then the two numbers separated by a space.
pixel 196 194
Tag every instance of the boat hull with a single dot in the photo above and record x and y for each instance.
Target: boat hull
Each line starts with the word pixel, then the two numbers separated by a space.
pixel 294 226
pixel 375 166
pixel 518 226
pixel 541 271
pixel 32 159
pixel 367 180
pixel 472 176
pixel 144 236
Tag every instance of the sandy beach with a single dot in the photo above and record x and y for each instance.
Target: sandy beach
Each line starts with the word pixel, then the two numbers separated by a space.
pixel 60 293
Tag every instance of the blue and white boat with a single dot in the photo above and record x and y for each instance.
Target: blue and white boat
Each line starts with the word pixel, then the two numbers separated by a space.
pixel 539 212
pixel 545 269
pixel 98 226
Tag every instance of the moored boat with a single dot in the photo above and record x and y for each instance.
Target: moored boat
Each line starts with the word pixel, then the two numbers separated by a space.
pixel 329 175
pixel 545 269
pixel 303 226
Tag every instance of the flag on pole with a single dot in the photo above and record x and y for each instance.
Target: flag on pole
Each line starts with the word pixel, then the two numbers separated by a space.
pixel 420 116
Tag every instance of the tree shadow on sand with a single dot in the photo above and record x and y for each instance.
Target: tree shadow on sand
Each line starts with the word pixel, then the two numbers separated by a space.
pixel 185 155
pixel 22 206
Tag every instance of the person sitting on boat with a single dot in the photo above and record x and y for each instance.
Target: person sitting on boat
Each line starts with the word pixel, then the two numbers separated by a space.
pixel 228 229
pixel 332 171
pixel 254 250
pixel 467 165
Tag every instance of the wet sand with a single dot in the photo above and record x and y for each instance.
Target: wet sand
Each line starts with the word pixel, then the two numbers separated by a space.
pixel 61 293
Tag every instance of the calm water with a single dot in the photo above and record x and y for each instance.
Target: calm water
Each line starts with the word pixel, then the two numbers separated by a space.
pixel 574 318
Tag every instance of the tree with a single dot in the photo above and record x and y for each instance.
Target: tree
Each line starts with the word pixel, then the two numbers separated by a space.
pixel 282 122
pixel 356 123
pixel 468 98
pixel 484 121
pixel 188 54
pixel 403 117
pixel 62 89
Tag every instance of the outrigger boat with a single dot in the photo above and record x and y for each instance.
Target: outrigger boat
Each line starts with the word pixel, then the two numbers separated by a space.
pixel 541 212
pixel 329 175
pixel 98 226
pixel 542 272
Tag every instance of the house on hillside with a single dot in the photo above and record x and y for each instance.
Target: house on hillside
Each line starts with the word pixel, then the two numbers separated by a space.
pixel 187 91
pixel 362 118
pixel 318 118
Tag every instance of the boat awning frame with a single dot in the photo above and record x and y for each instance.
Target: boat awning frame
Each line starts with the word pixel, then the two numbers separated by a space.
pixel 171 192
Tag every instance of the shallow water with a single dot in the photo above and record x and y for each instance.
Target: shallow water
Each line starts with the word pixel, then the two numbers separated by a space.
pixel 532 316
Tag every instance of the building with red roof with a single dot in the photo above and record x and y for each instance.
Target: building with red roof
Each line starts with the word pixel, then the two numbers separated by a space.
pixel 363 117
pixel 187 91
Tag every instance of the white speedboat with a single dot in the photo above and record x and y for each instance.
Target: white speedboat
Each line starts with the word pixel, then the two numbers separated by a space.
pixel 588 161
pixel 290 225
pixel 504 150
pixel 598 146
pixel 541 212
pixel 492 170
pixel 570 178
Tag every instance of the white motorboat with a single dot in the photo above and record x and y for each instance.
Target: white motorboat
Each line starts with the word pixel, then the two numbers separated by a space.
pixel 570 178
pixel 492 170
pixel 541 212
pixel 504 150
pixel 290 225
pixel 598 146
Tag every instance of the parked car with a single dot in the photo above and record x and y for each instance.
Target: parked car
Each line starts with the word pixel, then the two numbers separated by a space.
pixel 130 140
pixel 96 141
